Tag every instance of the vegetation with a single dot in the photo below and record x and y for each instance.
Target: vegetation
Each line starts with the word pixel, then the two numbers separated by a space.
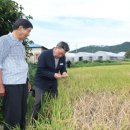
pixel 77 106
pixel 32 71
pixel 70 111
pixel 109 112
pixel 108 84
pixel 98 63
pixel 10 11
pixel 115 49
pixel 127 55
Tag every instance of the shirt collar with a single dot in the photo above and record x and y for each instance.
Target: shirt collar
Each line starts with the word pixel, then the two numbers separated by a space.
pixel 13 38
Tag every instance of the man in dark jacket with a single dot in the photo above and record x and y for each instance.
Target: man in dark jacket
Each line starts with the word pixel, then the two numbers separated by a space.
pixel 51 66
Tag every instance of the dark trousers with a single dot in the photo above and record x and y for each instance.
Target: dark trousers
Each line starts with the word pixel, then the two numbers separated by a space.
pixel 15 106
pixel 39 94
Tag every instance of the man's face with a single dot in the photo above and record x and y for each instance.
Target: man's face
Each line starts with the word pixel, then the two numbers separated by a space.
pixel 24 33
pixel 59 52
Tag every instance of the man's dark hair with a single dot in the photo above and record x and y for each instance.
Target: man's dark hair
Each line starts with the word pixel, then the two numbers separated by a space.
pixel 22 22
pixel 63 45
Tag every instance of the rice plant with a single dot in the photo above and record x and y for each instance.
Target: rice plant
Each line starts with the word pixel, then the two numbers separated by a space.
pixel 92 98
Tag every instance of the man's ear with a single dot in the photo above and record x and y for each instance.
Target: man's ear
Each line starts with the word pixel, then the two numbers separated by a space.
pixel 20 28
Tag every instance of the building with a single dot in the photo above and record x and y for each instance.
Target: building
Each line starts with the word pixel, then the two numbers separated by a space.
pixel 121 55
pixel 80 56
pixel 84 56
pixel 100 55
pixel 70 56
pixel 36 51
pixel 104 56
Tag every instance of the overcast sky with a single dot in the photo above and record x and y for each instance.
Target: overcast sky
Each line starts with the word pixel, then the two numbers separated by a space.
pixel 78 22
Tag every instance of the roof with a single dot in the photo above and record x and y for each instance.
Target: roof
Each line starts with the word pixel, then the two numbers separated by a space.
pixel 70 54
pixel 120 54
pixel 33 45
pixel 84 54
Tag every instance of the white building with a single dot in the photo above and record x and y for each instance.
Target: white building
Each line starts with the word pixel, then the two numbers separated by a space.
pixel 121 55
pixel 82 56
pixel 36 51
pixel 70 56
pixel 100 55
pixel 103 56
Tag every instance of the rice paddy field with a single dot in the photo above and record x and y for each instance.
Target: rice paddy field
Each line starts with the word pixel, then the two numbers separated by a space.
pixel 91 98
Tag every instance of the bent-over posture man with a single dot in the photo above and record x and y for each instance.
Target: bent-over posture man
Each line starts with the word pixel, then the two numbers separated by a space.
pixel 51 66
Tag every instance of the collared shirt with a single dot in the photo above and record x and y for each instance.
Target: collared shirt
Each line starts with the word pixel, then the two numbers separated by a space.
pixel 12 60
pixel 56 62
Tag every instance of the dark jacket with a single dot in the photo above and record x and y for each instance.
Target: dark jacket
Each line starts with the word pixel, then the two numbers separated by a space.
pixel 46 69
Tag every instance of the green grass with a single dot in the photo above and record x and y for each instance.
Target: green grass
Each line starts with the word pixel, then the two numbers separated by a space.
pixel 98 63
pixel 57 114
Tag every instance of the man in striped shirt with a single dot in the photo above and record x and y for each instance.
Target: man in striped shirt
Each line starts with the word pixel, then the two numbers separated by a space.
pixel 13 74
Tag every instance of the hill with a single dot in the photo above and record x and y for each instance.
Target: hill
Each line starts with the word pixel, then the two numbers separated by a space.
pixel 115 49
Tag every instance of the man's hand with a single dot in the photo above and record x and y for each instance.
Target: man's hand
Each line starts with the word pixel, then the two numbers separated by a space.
pixel 2 90
pixel 29 86
pixel 57 75
pixel 64 75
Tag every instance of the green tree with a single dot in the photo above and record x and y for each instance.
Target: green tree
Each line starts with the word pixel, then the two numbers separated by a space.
pixel 127 55
pixel 10 11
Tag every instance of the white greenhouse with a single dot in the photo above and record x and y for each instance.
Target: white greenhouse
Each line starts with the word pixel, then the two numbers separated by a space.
pixel 103 56
pixel 82 56
pixel 100 55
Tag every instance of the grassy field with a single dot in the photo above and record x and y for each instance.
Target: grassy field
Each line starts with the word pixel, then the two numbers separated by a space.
pixel 92 98
pixel 106 86
pixel 99 63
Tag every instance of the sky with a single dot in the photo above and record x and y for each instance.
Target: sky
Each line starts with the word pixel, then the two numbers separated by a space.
pixel 80 23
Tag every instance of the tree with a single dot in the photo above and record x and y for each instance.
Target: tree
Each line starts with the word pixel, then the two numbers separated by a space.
pixel 127 54
pixel 28 50
pixel 10 11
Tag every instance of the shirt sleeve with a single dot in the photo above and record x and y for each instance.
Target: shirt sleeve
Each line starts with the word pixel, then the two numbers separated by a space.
pixel 4 50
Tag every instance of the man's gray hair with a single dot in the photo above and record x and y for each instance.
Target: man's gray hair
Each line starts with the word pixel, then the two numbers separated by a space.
pixel 63 45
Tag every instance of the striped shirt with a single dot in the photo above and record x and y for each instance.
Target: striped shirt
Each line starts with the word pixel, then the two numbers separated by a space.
pixel 12 60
